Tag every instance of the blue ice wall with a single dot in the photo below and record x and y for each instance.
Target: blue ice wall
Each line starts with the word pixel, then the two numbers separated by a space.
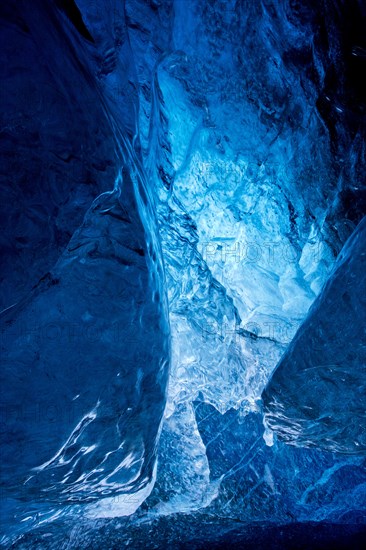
pixel 87 357
pixel 178 179
pixel 327 361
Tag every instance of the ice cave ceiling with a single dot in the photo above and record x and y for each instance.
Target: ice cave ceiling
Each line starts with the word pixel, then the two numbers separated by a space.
pixel 183 278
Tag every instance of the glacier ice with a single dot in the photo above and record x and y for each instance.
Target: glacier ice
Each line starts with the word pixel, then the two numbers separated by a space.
pixel 316 396
pixel 240 127
pixel 85 365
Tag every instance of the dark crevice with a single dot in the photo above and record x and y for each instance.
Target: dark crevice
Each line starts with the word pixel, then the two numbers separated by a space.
pixel 73 14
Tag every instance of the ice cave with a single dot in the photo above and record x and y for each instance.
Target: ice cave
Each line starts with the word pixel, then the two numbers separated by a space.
pixel 183 274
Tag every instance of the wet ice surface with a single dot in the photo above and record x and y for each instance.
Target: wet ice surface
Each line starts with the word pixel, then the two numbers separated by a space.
pixel 316 396
pixel 251 148
pixel 198 531
pixel 85 369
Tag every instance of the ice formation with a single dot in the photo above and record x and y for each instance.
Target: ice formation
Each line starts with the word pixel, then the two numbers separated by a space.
pixel 178 179
pixel 316 396
pixel 86 365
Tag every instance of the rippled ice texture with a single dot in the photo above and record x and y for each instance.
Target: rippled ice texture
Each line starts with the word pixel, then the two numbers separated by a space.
pixel 237 126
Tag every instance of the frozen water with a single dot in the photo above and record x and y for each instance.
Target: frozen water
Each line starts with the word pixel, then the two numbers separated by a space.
pixel 316 396
pixel 85 368
pixel 231 135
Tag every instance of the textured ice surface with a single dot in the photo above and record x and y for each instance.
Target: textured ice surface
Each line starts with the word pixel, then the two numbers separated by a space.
pixel 276 483
pixel 316 396
pixel 242 219
pixel 246 120
pixel 85 366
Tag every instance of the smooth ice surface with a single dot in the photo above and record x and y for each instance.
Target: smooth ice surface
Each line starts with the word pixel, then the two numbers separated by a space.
pixel 85 365
pixel 316 396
